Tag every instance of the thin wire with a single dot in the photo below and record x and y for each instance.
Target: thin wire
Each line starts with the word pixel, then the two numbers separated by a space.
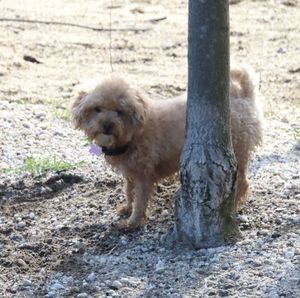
pixel 110 37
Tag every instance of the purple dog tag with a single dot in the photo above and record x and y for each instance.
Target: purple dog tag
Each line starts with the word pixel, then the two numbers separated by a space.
pixel 95 149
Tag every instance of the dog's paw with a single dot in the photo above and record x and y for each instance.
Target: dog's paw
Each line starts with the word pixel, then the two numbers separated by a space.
pixel 124 210
pixel 128 225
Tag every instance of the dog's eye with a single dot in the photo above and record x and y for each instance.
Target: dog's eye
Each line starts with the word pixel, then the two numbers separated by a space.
pixel 120 113
pixel 97 109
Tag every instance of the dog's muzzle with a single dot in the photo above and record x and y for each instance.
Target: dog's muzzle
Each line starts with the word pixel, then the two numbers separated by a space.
pixel 115 151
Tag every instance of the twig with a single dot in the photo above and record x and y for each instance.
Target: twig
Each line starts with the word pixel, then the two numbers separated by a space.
pixel 111 251
pixel 157 20
pixel 74 25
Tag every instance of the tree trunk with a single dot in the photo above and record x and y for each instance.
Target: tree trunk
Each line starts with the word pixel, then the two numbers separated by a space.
pixel 205 202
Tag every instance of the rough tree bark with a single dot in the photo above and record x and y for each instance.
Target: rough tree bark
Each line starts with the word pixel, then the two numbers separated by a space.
pixel 205 202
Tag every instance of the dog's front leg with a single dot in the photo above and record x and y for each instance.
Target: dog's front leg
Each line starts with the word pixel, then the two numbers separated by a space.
pixel 126 209
pixel 143 191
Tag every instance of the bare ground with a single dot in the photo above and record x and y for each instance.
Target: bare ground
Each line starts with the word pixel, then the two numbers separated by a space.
pixel 55 235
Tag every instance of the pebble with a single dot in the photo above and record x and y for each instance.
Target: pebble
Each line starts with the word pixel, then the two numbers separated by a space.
pixel 256 263
pixel 82 295
pixel 125 280
pixel 111 293
pixel 243 218
pixel 263 232
pixel 116 284
pixel 165 213
pixel 31 215
pixel 21 263
pixel 56 286
pixel 159 266
pixel 91 277
pixel 40 115
pixel 225 266
pixel 281 51
pixel 280 260
pixel 51 294
pixel 289 254
pixel 21 225
pixel 223 293
pixel 27 125
pixel 27 283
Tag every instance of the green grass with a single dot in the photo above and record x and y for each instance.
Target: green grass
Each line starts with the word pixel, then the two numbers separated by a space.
pixel 40 166
pixel 59 108
pixel 60 111
pixel 268 114
pixel 296 132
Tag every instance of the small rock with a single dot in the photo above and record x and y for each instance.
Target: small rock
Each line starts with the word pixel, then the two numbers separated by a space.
pixel 31 215
pixel 27 283
pixel 60 134
pixel 21 263
pixel 56 286
pixel 275 235
pixel 228 285
pixel 51 294
pixel 165 213
pixel 280 260
pixel 27 125
pixel 91 277
pixel 43 272
pixel 124 240
pixel 159 266
pixel 289 254
pixel 281 51
pixel 40 115
pixel 243 218
pixel 21 225
pixel 60 227
pixel 82 295
pixel 111 293
pixel 256 263
pixel 116 285
pixel 223 293
pixel 263 232
pixel 225 266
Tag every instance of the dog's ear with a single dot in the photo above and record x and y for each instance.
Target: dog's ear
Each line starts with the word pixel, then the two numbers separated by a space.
pixel 140 111
pixel 77 110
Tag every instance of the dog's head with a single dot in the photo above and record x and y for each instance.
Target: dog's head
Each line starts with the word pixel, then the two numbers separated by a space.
pixel 112 114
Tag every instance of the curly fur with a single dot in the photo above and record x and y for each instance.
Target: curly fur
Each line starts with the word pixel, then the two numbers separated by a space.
pixel 154 131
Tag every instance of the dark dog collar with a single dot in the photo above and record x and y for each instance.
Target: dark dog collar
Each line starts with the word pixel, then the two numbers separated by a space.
pixel 115 151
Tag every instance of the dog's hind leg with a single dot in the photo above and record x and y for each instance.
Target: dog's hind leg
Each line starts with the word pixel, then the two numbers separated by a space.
pixel 242 184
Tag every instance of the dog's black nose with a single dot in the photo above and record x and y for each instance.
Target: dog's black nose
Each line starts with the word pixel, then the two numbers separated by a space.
pixel 107 128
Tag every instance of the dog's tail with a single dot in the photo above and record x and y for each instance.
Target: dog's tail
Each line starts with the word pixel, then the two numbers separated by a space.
pixel 244 81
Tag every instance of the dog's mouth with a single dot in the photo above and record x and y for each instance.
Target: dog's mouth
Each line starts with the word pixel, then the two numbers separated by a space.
pixel 109 145
pixel 105 140
pixel 115 151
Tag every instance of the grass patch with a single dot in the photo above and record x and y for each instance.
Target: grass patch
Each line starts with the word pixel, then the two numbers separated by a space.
pixel 60 111
pixel 269 114
pixel 40 166
pixel 296 132
pixel 59 108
